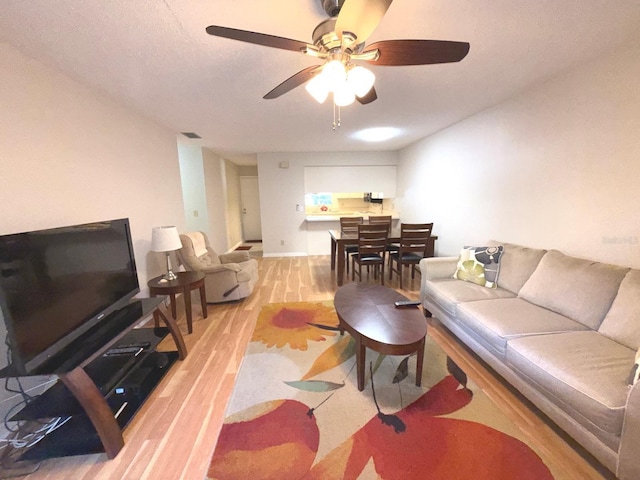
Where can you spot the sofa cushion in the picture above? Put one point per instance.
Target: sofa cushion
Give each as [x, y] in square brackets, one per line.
[449, 292]
[195, 253]
[479, 265]
[495, 322]
[585, 371]
[622, 322]
[580, 289]
[517, 264]
[198, 243]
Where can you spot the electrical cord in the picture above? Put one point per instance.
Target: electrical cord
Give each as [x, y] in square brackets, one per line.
[25, 434]
[29, 439]
[12, 467]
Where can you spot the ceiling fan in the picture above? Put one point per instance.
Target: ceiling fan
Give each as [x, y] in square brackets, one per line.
[339, 41]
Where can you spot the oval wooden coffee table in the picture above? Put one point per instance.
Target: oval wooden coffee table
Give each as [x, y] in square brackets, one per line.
[368, 313]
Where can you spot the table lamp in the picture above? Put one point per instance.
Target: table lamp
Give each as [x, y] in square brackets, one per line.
[166, 239]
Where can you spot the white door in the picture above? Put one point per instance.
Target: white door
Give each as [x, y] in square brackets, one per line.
[250, 198]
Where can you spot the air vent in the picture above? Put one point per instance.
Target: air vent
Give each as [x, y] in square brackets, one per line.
[191, 135]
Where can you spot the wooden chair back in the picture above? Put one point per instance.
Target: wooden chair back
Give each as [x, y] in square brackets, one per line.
[414, 245]
[372, 240]
[414, 240]
[349, 225]
[372, 243]
[380, 219]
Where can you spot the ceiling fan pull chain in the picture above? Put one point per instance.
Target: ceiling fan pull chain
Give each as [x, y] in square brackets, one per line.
[336, 123]
[334, 116]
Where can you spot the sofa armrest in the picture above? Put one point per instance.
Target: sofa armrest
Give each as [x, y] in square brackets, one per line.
[216, 269]
[628, 460]
[438, 267]
[435, 267]
[234, 257]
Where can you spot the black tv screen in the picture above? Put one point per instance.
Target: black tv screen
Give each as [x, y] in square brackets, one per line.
[57, 284]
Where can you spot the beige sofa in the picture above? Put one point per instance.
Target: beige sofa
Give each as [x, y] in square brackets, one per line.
[229, 276]
[562, 330]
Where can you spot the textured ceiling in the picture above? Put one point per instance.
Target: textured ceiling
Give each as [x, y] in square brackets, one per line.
[155, 57]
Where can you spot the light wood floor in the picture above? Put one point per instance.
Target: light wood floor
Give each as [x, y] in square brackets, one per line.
[174, 434]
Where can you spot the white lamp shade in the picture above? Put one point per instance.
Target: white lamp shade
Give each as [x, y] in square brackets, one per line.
[360, 80]
[343, 95]
[333, 74]
[317, 87]
[165, 239]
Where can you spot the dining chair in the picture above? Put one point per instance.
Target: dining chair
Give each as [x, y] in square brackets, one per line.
[386, 219]
[349, 225]
[380, 219]
[372, 242]
[414, 242]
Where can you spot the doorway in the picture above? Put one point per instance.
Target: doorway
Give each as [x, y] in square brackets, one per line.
[250, 204]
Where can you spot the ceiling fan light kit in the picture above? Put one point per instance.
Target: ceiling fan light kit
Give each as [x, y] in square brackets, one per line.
[346, 82]
[334, 74]
[338, 42]
[360, 80]
[317, 88]
[343, 96]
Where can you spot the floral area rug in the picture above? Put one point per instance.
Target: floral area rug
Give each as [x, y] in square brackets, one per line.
[296, 412]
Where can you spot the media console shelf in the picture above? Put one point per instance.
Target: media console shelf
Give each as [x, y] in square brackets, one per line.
[102, 392]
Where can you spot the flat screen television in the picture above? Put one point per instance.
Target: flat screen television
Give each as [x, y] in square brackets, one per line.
[59, 283]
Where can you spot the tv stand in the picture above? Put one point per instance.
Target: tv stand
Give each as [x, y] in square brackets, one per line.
[103, 392]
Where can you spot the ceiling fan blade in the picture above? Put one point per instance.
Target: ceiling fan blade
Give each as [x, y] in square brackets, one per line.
[294, 81]
[361, 17]
[257, 38]
[417, 52]
[369, 97]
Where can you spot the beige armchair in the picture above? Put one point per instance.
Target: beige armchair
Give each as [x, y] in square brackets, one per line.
[229, 276]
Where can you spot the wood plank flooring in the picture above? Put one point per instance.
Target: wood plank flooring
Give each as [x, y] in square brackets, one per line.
[174, 434]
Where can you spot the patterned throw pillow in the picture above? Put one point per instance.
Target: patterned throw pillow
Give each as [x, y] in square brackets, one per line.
[634, 375]
[479, 265]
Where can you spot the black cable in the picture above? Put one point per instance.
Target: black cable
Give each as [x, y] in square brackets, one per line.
[25, 434]
[12, 467]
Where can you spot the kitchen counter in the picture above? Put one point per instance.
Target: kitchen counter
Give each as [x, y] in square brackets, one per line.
[335, 216]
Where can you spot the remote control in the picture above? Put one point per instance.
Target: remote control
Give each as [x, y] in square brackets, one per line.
[136, 345]
[407, 303]
[123, 351]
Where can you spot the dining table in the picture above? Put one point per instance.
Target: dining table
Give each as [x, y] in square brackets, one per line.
[340, 239]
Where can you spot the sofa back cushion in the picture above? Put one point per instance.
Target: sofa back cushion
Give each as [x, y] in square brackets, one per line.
[580, 289]
[198, 243]
[196, 253]
[516, 265]
[622, 322]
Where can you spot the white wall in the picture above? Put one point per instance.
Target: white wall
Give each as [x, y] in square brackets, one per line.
[281, 189]
[211, 186]
[215, 181]
[233, 208]
[556, 167]
[370, 178]
[194, 193]
[248, 170]
[71, 155]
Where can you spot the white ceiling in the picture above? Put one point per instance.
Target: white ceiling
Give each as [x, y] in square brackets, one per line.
[155, 57]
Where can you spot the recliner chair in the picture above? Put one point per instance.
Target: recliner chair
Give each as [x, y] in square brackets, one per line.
[229, 276]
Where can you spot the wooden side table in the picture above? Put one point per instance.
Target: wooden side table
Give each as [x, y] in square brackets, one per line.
[185, 283]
